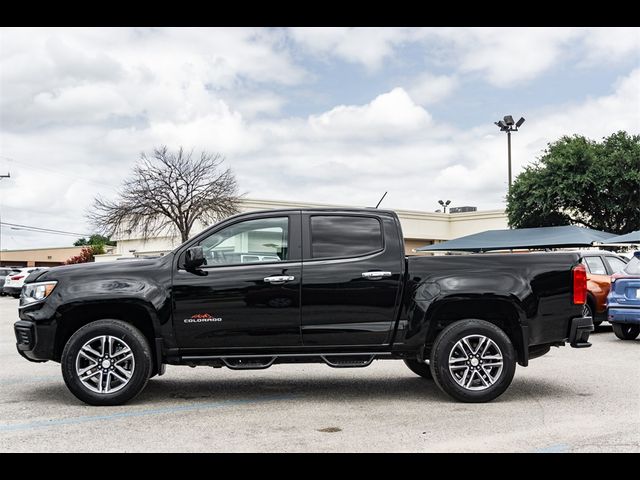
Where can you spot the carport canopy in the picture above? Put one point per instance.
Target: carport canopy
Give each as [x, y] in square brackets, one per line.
[633, 237]
[521, 238]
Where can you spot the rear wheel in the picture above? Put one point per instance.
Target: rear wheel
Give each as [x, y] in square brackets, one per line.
[107, 362]
[419, 368]
[473, 361]
[625, 331]
[587, 311]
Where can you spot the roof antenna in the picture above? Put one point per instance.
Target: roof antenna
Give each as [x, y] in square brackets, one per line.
[385, 194]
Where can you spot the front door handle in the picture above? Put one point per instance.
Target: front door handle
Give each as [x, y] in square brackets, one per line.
[279, 279]
[375, 275]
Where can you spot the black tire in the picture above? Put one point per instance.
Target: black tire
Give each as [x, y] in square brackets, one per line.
[125, 332]
[444, 346]
[419, 368]
[625, 331]
[588, 311]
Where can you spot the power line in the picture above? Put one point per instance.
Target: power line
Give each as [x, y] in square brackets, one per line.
[37, 231]
[43, 230]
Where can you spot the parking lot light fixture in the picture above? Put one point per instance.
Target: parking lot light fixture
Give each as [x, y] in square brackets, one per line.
[508, 125]
[444, 204]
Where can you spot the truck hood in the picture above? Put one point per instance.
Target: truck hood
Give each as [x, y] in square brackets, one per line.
[118, 267]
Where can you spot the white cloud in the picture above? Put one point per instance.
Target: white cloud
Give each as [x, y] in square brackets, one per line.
[606, 45]
[503, 56]
[428, 89]
[388, 114]
[369, 46]
[157, 74]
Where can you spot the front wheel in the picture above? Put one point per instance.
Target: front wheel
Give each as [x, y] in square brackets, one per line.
[473, 361]
[107, 362]
[625, 331]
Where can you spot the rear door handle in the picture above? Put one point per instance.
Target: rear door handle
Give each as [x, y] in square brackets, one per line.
[279, 279]
[375, 275]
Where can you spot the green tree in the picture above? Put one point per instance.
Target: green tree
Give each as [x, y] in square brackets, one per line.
[95, 239]
[581, 181]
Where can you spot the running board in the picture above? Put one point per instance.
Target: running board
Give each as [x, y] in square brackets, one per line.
[255, 363]
[259, 362]
[348, 361]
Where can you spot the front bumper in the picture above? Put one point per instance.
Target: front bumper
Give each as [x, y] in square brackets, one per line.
[11, 290]
[581, 328]
[624, 315]
[35, 341]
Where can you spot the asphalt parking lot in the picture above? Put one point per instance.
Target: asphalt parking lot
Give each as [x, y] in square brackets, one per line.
[567, 401]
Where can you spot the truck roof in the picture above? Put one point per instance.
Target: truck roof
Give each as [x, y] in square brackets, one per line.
[320, 209]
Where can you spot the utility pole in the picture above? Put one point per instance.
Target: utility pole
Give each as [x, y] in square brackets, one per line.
[8, 175]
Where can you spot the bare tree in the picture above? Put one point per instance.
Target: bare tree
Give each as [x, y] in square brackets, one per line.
[168, 193]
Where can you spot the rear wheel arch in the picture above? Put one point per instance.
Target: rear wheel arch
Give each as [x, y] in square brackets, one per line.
[503, 313]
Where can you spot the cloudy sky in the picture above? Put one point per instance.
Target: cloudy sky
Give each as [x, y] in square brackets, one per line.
[335, 115]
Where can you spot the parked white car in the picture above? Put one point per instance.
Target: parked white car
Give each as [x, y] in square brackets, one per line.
[4, 272]
[14, 281]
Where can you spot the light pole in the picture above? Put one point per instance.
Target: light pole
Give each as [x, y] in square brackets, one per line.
[444, 204]
[508, 125]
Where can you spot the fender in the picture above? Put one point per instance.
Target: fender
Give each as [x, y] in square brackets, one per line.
[437, 300]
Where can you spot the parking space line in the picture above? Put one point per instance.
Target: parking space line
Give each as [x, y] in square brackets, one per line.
[139, 413]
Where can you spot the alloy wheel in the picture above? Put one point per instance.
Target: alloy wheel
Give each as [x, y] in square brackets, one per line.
[105, 364]
[475, 362]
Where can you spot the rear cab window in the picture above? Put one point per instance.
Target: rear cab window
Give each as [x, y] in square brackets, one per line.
[339, 236]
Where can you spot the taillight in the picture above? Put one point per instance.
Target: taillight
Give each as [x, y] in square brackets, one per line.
[17, 277]
[579, 284]
[616, 276]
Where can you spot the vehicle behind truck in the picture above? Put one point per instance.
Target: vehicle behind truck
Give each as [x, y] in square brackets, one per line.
[299, 286]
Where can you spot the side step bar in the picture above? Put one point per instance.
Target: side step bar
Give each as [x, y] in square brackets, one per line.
[248, 363]
[348, 361]
[259, 362]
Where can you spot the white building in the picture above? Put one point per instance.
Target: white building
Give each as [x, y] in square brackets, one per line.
[419, 228]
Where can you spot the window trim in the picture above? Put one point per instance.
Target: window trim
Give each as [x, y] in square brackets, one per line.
[309, 237]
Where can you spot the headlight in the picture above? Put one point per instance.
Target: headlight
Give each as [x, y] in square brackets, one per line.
[35, 292]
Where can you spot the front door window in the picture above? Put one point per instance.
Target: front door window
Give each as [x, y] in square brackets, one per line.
[261, 240]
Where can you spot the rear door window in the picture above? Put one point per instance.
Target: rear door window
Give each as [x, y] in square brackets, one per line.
[595, 265]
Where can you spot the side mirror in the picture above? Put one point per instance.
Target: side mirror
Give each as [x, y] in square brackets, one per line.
[194, 257]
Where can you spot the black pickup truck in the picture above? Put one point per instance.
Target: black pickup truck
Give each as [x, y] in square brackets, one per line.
[292, 286]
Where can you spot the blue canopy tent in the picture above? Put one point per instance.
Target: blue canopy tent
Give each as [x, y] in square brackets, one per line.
[521, 238]
[633, 237]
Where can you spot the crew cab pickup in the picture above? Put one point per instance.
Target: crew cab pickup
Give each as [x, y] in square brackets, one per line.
[292, 286]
